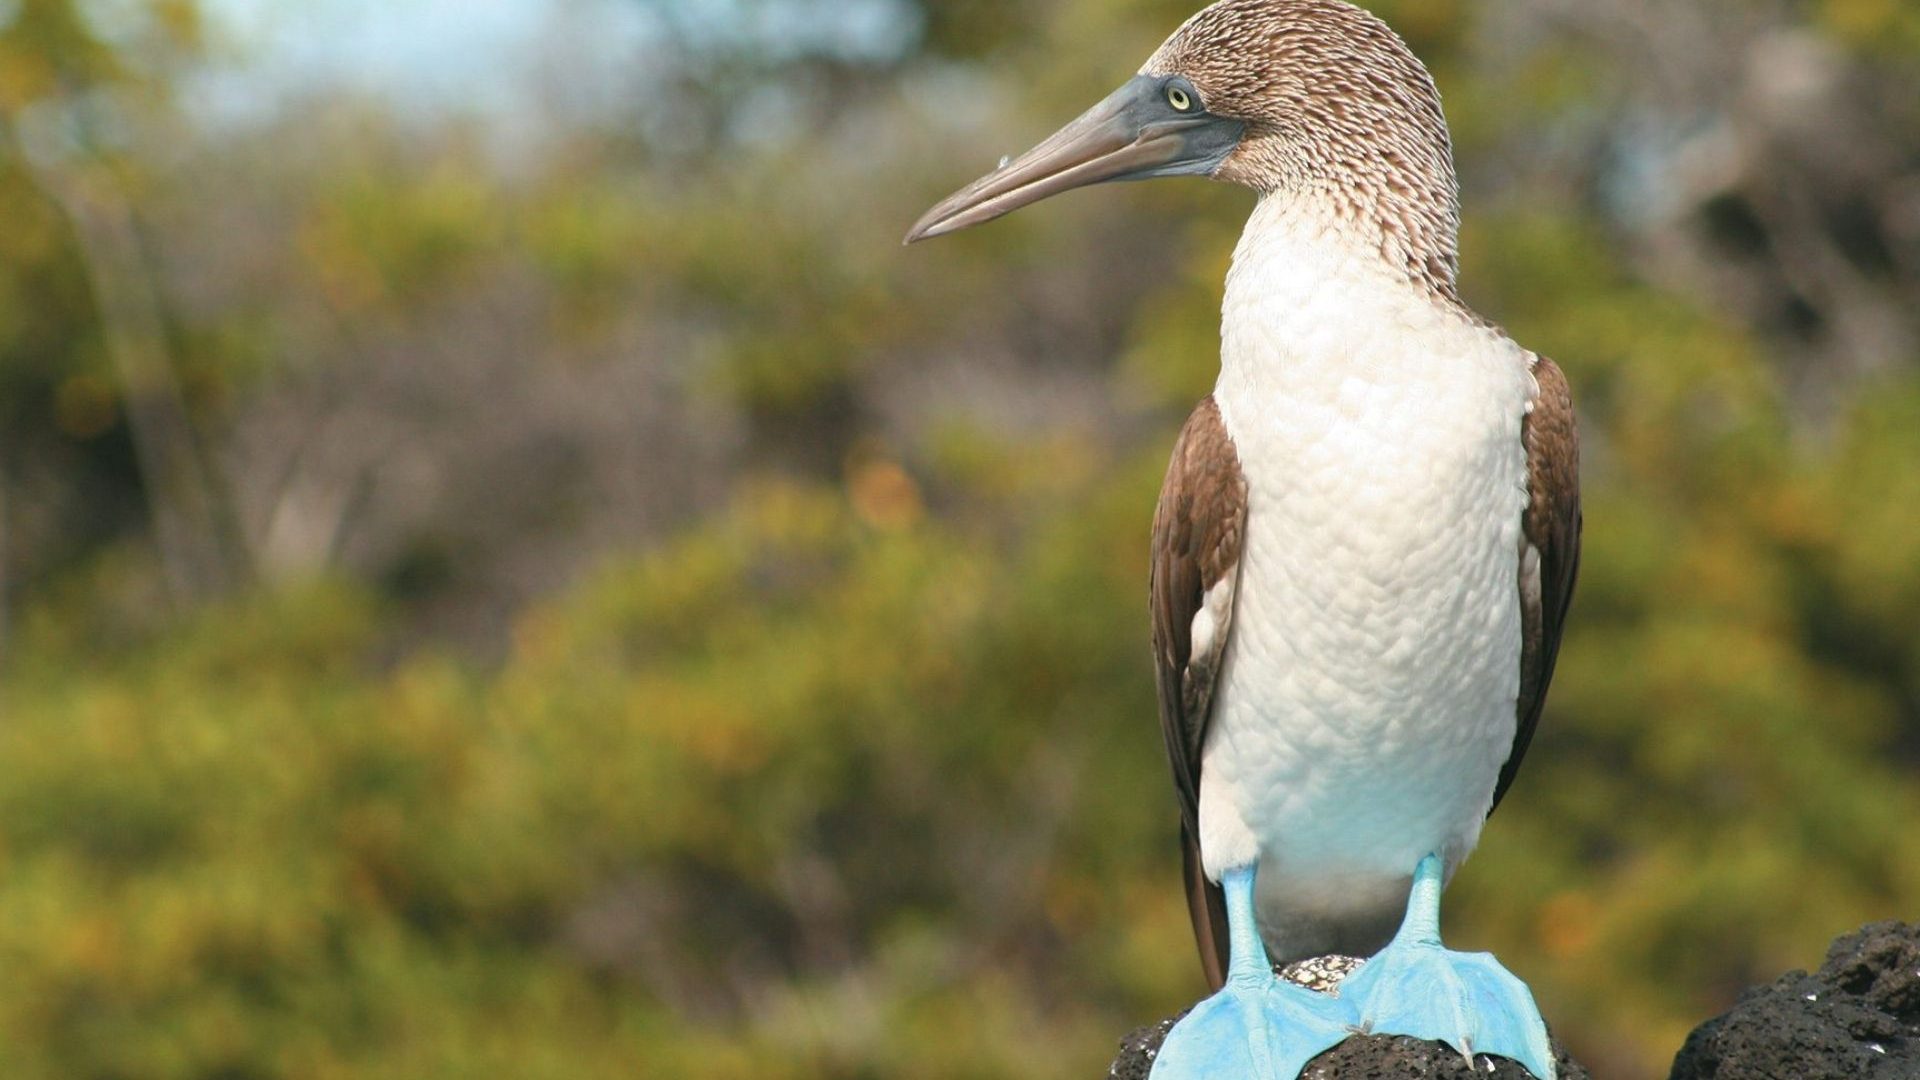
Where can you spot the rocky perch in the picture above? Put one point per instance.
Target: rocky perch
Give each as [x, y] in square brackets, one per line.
[1857, 1018]
[1363, 1057]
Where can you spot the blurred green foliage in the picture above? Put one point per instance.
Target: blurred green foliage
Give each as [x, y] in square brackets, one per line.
[851, 769]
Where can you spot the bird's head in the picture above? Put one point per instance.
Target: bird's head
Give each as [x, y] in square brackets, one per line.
[1302, 98]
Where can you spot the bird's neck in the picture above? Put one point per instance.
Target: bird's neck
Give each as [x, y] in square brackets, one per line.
[1313, 288]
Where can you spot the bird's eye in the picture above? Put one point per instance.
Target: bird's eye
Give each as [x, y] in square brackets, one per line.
[1179, 98]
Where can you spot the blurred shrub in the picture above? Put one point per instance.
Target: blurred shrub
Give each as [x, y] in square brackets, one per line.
[822, 772]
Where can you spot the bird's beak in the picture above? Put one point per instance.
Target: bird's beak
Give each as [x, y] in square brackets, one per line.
[1132, 135]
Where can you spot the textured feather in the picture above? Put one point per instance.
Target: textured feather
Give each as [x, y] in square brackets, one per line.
[1198, 529]
[1552, 529]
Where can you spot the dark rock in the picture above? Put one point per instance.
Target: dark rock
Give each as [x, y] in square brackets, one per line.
[1363, 1057]
[1398, 1057]
[1857, 1018]
[1139, 1048]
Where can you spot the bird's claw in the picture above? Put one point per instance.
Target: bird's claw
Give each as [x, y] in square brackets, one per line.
[1258, 1026]
[1417, 987]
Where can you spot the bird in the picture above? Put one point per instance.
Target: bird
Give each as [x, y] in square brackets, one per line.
[1367, 541]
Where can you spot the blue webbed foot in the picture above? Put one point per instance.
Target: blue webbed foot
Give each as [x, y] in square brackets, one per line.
[1257, 1027]
[1415, 986]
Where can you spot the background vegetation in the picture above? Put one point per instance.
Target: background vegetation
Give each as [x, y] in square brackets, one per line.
[509, 569]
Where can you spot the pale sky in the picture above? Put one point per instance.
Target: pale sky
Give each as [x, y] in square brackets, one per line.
[430, 54]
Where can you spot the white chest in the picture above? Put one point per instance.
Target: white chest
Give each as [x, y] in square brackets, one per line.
[1367, 699]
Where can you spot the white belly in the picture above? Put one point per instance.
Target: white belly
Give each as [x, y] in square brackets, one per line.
[1367, 699]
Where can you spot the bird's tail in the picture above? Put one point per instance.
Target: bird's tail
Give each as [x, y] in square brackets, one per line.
[1207, 906]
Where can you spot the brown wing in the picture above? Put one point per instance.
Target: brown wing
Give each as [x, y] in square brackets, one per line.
[1551, 559]
[1197, 533]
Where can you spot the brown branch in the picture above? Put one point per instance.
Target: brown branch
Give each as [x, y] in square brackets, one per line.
[199, 546]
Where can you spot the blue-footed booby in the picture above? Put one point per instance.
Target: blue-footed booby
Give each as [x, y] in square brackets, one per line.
[1365, 546]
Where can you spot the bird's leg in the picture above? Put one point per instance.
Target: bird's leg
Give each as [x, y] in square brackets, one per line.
[1415, 986]
[1257, 1027]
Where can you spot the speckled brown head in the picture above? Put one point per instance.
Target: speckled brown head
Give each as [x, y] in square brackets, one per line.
[1308, 99]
